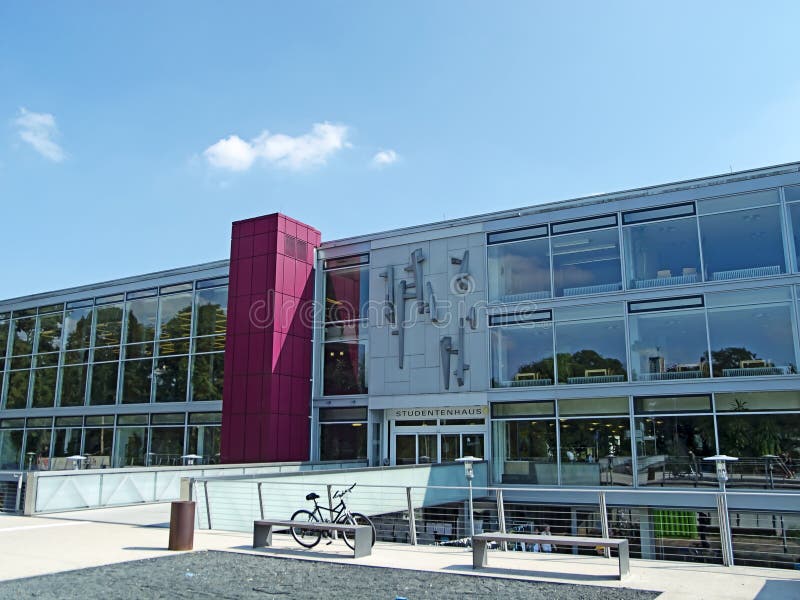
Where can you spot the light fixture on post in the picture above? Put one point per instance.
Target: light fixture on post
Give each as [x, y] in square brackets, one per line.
[189, 459]
[469, 473]
[722, 507]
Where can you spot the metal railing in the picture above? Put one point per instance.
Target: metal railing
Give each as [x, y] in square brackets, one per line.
[693, 526]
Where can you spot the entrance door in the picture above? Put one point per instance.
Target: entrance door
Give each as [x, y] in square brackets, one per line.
[411, 447]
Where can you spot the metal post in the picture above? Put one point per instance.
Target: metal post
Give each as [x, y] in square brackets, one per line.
[604, 521]
[208, 506]
[19, 491]
[260, 501]
[334, 535]
[471, 512]
[501, 516]
[412, 526]
[725, 538]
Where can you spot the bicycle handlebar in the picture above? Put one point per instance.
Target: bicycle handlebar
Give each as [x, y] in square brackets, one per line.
[341, 493]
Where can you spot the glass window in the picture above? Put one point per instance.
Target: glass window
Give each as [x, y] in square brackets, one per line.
[343, 441]
[524, 452]
[130, 446]
[757, 401]
[658, 214]
[166, 446]
[208, 283]
[670, 450]
[207, 376]
[662, 253]
[205, 418]
[24, 330]
[586, 263]
[596, 452]
[172, 376]
[204, 440]
[44, 388]
[67, 442]
[141, 316]
[344, 365]
[4, 325]
[593, 406]
[17, 393]
[10, 449]
[50, 333]
[672, 404]
[517, 234]
[97, 445]
[108, 330]
[346, 294]
[47, 360]
[37, 449]
[743, 243]
[343, 414]
[107, 354]
[738, 201]
[211, 311]
[136, 378]
[520, 271]
[591, 351]
[523, 409]
[78, 327]
[73, 385]
[522, 356]
[169, 347]
[768, 448]
[583, 224]
[668, 345]
[175, 316]
[104, 384]
[751, 340]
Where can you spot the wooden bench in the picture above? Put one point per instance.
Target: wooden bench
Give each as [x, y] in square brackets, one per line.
[362, 534]
[480, 542]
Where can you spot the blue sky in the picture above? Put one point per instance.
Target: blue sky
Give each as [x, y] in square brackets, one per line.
[132, 134]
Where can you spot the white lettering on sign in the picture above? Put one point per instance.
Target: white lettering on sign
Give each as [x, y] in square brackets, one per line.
[440, 413]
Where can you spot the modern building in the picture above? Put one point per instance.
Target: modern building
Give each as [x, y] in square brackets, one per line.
[613, 340]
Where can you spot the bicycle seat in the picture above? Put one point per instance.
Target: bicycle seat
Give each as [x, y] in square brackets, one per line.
[312, 496]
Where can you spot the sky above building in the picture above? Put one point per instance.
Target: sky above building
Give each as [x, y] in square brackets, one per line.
[132, 134]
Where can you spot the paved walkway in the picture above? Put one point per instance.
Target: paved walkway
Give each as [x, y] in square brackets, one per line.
[66, 541]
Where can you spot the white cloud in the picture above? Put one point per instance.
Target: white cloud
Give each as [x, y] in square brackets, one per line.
[384, 158]
[38, 130]
[280, 150]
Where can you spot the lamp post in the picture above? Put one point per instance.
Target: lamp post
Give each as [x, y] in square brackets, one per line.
[722, 507]
[469, 473]
[189, 459]
[77, 461]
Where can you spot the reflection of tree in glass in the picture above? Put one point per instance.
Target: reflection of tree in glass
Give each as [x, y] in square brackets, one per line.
[729, 358]
[343, 375]
[133, 449]
[207, 377]
[576, 364]
[79, 330]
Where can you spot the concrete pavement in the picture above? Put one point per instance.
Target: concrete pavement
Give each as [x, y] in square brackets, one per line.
[65, 541]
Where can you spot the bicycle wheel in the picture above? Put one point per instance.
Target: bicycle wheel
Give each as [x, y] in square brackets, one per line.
[355, 519]
[305, 537]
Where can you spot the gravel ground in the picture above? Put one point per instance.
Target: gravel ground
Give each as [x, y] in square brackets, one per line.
[229, 575]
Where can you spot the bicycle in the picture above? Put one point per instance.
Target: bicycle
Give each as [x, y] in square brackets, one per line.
[340, 514]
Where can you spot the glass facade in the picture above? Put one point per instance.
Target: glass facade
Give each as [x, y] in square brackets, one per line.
[343, 434]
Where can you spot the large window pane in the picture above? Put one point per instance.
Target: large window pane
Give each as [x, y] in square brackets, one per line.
[4, 325]
[10, 449]
[591, 351]
[97, 445]
[525, 452]
[24, 330]
[346, 294]
[344, 368]
[44, 388]
[17, 394]
[670, 450]
[519, 271]
[136, 378]
[207, 376]
[586, 263]
[141, 316]
[794, 216]
[175, 316]
[343, 441]
[37, 449]
[669, 345]
[522, 356]
[757, 401]
[204, 440]
[768, 448]
[73, 385]
[211, 311]
[78, 327]
[130, 446]
[67, 442]
[166, 446]
[662, 253]
[596, 452]
[108, 331]
[104, 384]
[172, 376]
[50, 333]
[752, 340]
[745, 243]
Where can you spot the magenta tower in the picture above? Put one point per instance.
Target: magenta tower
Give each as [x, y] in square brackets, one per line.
[267, 391]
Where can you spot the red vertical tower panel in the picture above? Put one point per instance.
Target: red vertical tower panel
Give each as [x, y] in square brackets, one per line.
[267, 396]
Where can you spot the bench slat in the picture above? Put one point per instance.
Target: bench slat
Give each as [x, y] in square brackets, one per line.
[550, 539]
[311, 525]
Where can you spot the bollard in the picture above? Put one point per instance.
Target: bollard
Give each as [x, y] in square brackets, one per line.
[181, 525]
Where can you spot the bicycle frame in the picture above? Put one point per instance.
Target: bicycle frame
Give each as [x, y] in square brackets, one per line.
[333, 513]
